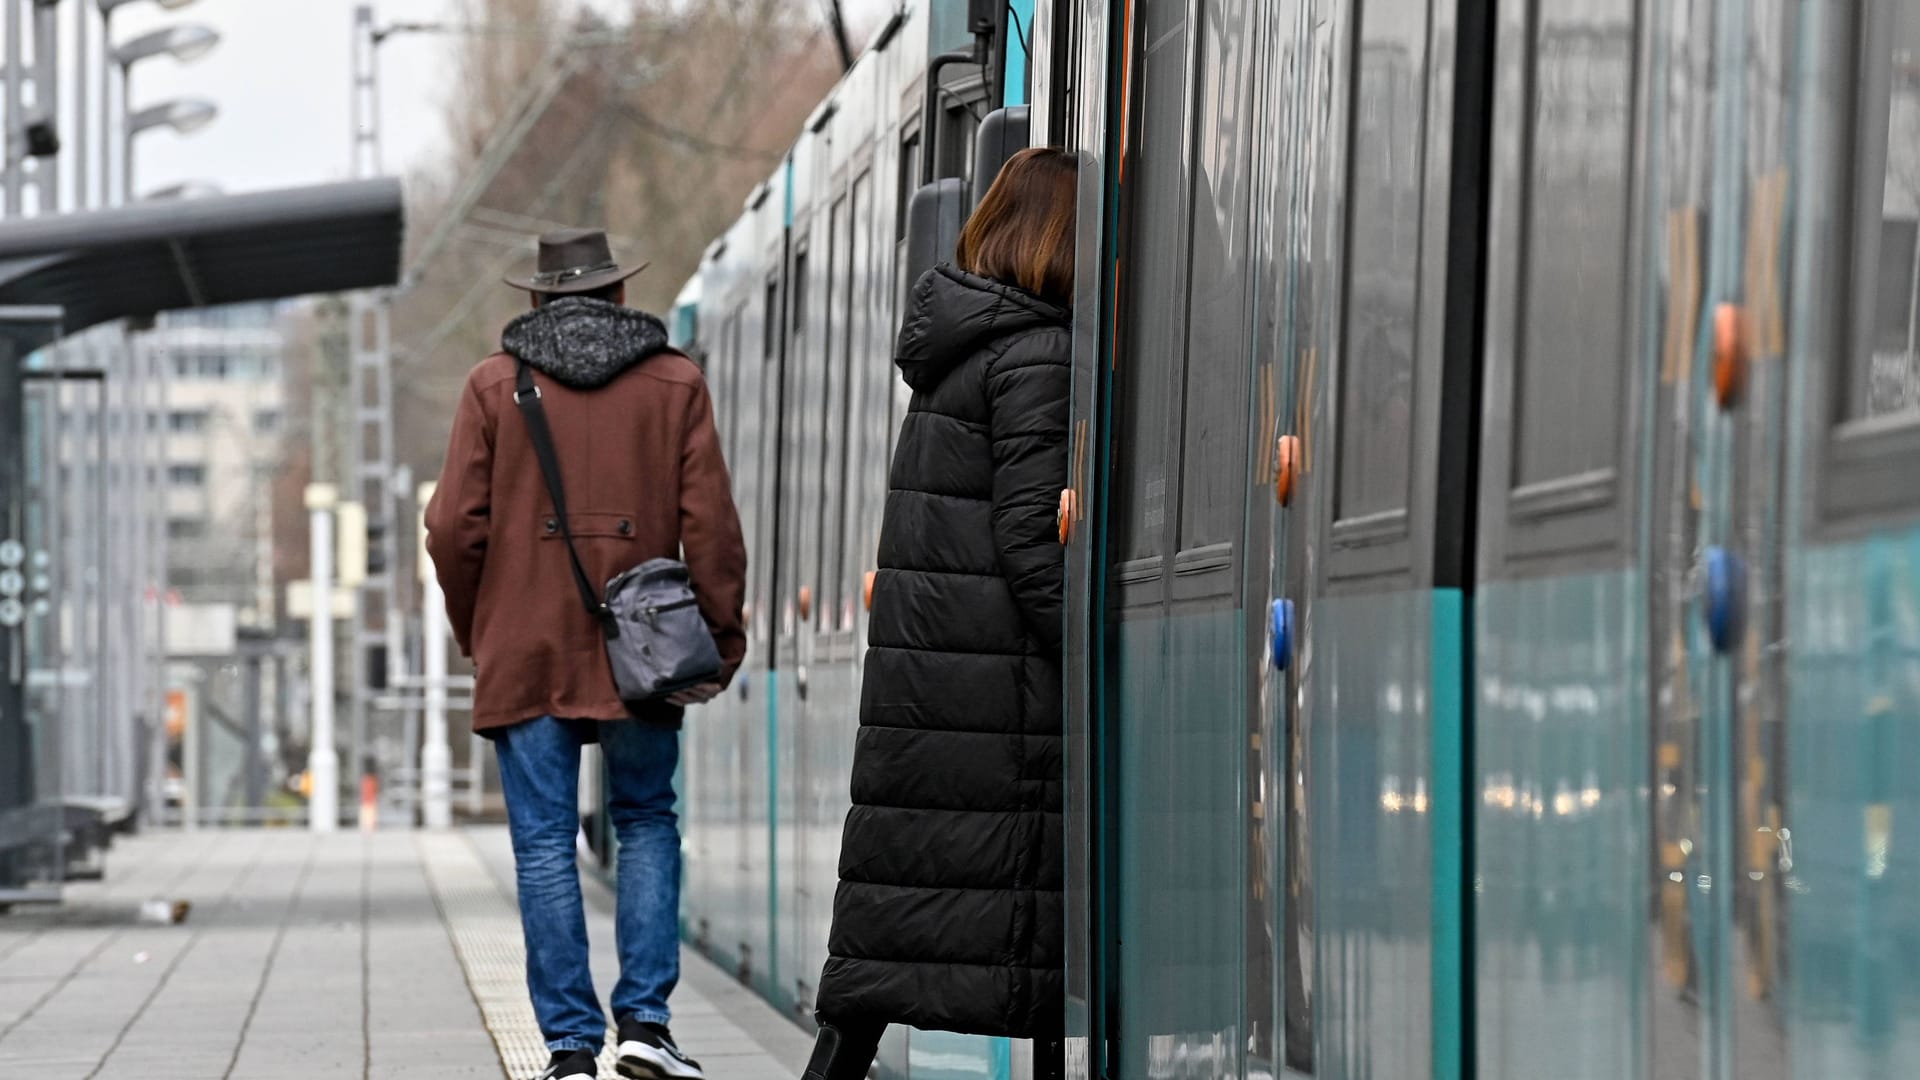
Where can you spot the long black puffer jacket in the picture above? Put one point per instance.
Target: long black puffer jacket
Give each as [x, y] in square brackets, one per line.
[949, 912]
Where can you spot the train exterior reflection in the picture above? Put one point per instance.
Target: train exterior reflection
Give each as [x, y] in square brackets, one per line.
[1494, 540]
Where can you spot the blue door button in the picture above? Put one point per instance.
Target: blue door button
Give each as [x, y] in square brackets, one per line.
[1726, 598]
[1282, 634]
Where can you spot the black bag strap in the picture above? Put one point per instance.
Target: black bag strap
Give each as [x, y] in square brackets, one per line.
[527, 396]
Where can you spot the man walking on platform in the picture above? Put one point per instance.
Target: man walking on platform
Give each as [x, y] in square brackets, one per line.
[586, 382]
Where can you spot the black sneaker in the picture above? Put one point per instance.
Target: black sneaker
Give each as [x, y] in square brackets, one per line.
[571, 1063]
[647, 1052]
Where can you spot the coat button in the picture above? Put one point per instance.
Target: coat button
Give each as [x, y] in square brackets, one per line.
[553, 525]
[626, 527]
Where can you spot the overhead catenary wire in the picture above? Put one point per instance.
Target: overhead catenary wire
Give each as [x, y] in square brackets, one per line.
[687, 138]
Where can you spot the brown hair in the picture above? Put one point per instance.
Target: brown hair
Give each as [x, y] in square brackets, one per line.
[1023, 231]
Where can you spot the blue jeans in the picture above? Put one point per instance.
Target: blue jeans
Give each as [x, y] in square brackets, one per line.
[540, 774]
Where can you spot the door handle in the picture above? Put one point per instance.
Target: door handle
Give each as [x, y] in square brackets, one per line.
[1286, 474]
[1726, 598]
[1729, 353]
[1282, 627]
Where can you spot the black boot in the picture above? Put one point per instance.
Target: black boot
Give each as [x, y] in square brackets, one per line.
[843, 1052]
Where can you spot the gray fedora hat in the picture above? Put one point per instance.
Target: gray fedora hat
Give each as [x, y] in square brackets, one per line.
[574, 261]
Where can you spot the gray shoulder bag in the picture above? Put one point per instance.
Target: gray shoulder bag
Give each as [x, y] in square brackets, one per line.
[657, 642]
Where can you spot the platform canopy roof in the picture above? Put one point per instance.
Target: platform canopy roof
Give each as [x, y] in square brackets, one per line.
[165, 255]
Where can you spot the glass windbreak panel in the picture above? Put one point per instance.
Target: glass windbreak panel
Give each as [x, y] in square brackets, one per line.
[1153, 281]
[1383, 253]
[1571, 362]
[1884, 383]
[32, 661]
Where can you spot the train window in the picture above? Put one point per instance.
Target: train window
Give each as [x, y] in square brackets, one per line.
[1213, 441]
[909, 183]
[829, 392]
[799, 285]
[1154, 314]
[959, 121]
[799, 466]
[770, 323]
[736, 361]
[1873, 408]
[1571, 368]
[865, 371]
[1376, 379]
[1884, 375]
[833, 464]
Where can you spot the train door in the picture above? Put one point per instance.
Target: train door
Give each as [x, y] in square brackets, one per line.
[1371, 589]
[808, 402]
[1595, 191]
[32, 824]
[753, 885]
[802, 406]
[821, 730]
[1171, 729]
[1835, 920]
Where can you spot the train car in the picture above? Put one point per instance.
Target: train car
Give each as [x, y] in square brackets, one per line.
[1494, 573]
[1494, 630]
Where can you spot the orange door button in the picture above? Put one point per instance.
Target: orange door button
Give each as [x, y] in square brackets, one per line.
[806, 602]
[1069, 511]
[1286, 473]
[866, 590]
[1729, 353]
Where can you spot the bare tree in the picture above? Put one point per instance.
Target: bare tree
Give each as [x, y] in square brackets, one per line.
[655, 128]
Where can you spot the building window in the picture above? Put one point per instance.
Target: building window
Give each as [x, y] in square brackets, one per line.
[186, 528]
[187, 475]
[266, 422]
[187, 421]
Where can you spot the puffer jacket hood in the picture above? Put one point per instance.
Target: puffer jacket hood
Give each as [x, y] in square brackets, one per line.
[582, 342]
[952, 313]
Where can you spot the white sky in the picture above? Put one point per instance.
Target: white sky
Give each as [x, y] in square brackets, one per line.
[281, 76]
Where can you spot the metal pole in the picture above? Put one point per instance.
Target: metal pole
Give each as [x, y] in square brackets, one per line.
[46, 101]
[16, 77]
[107, 67]
[126, 134]
[256, 781]
[134, 474]
[323, 761]
[436, 756]
[80, 59]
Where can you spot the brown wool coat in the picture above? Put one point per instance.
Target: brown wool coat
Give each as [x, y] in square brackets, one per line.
[644, 479]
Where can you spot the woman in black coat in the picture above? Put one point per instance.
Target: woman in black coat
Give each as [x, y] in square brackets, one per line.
[949, 912]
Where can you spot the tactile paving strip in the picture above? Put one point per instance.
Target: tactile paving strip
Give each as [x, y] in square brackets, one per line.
[485, 928]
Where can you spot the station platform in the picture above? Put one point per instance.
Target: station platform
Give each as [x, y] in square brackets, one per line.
[370, 955]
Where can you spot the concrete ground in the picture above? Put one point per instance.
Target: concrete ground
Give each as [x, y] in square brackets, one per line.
[354, 955]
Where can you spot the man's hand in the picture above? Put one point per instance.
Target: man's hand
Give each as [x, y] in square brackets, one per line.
[696, 695]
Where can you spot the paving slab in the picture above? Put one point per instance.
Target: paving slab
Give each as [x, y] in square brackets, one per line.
[353, 955]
